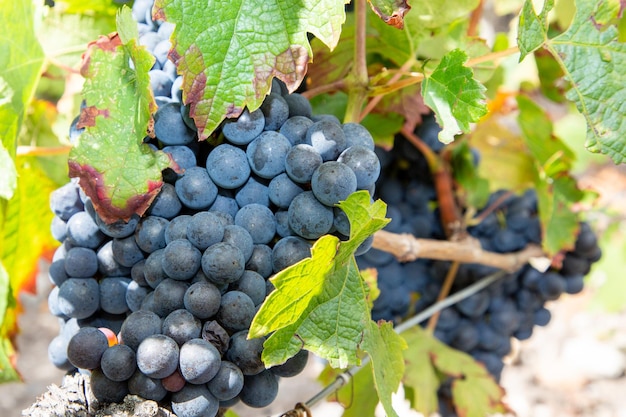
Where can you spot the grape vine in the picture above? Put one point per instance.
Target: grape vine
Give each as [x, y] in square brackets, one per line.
[256, 183]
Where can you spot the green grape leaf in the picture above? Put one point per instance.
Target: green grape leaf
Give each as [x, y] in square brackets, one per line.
[228, 55]
[391, 11]
[533, 28]
[21, 62]
[8, 181]
[454, 95]
[120, 173]
[97, 8]
[474, 391]
[556, 188]
[598, 94]
[359, 397]
[321, 295]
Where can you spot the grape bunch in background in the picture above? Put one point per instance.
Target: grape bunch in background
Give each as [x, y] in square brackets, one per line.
[160, 306]
[483, 324]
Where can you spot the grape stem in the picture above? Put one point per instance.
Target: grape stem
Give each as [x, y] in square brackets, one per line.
[344, 378]
[406, 248]
[477, 14]
[358, 81]
[445, 291]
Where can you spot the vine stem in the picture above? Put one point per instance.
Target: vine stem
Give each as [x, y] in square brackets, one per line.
[359, 80]
[326, 88]
[406, 248]
[477, 14]
[472, 62]
[345, 377]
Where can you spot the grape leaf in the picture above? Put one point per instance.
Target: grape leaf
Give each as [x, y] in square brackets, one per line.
[533, 28]
[321, 304]
[475, 188]
[358, 397]
[228, 55]
[120, 173]
[556, 188]
[474, 391]
[454, 95]
[391, 11]
[21, 61]
[598, 94]
[7, 353]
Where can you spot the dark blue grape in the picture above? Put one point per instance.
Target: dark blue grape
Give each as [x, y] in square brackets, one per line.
[169, 126]
[118, 363]
[79, 297]
[150, 233]
[194, 401]
[157, 356]
[266, 154]
[327, 138]
[239, 237]
[301, 162]
[195, 189]
[81, 263]
[308, 217]
[205, 229]
[126, 251]
[295, 129]
[57, 354]
[293, 366]
[253, 285]
[236, 311]
[181, 326]
[107, 390]
[246, 353]
[86, 347]
[168, 296]
[113, 294]
[245, 128]
[161, 85]
[202, 299]
[261, 260]
[146, 387]
[259, 221]
[288, 251]
[282, 190]
[65, 201]
[139, 325]
[227, 383]
[181, 260]
[356, 134]
[333, 182]
[199, 361]
[259, 390]
[135, 294]
[228, 166]
[166, 204]
[253, 191]
[276, 111]
[364, 163]
[83, 231]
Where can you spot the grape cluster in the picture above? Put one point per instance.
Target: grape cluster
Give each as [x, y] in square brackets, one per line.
[484, 323]
[160, 306]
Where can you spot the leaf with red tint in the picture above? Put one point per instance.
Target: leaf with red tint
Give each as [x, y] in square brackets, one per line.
[391, 11]
[120, 173]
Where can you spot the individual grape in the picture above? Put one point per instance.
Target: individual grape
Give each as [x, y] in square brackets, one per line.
[65, 201]
[259, 390]
[205, 229]
[295, 129]
[195, 189]
[168, 296]
[227, 383]
[106, 390]
[266, 154]
[253, 191]
[573, 265]
[282, 223]
[160, 53]
[298, 105]
[308, 217]
[148, 303]
[118, 363]
[113, 294]
[58, 229]
[150, 233]
[202, 299]
[81, 263]
[261, 260]
[341, 222]
[199, 361]
[194, 401]
[120, 228]
[276, 111]
[301, 162]
[174, 382]
[138, 326]
[57, 353]
[357, 135]
[282, 190]
[259, 221]
[126, 251]
[333, 182]
[506, 240]
[216, 335]
[327, 138]
[79, 297]
[166, 204]
[145, 387]
[288, 251]
[181, 260]
[86, 347]
[246, 353]
[574, 283]
[253, 285]
[428, 131]
[169, 126]
[83, 231]
[245, 128]
[157, 356]
[137, 273]
[225, 205]
[364, 163]
[475, 305]
[177, 228]
[184, 112]
[135, 295]
[542, 316]
[236, 311]
[551, 286]
[239, 237]
[181, 326]
[223, 263]
[465, 337]
[293, 366]
[107, 265]
[153, 268]
[228, 166]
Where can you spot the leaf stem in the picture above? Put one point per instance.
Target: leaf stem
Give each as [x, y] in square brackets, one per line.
[407, 248]
[445, 291]
[359, 78]
[42, 151]
[344, 378]
[472, 62]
